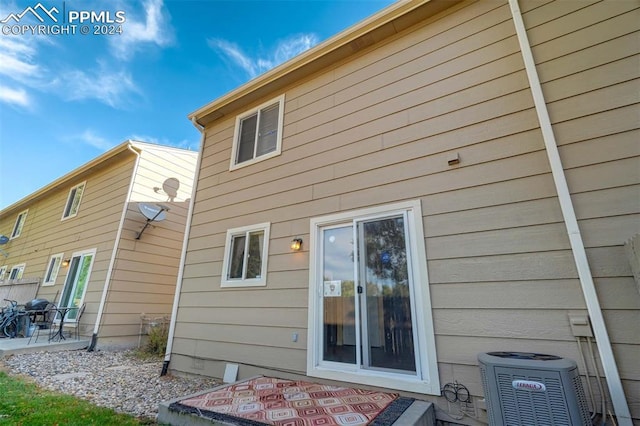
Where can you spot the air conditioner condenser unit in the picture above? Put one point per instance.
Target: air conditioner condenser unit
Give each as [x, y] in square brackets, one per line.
[529, 389]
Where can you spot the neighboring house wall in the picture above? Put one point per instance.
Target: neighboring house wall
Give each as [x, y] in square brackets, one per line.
[380, 128]
[145, 270]
[95, 226]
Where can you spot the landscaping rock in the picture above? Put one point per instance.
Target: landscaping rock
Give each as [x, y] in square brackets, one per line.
[110, 378]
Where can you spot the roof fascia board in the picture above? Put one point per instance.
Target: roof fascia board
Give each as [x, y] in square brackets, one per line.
[147, 146]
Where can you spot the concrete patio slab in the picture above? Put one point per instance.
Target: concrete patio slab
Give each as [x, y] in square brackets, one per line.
[21, 345]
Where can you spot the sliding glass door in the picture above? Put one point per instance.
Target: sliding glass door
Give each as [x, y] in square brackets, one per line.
[76, 283]
[367, 304]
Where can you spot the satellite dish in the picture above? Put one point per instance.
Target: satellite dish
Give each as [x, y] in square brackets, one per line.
[170, 186]
[153, 212]
[4, 239]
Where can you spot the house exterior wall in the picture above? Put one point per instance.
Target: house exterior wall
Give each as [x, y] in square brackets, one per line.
[95, 226]
[380, 128]
[587, 58]
[143, 276]
[145, 269]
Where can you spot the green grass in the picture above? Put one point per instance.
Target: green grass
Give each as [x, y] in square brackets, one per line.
[23, 403]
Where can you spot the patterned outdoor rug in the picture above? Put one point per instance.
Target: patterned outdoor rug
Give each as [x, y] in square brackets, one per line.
[266, 400]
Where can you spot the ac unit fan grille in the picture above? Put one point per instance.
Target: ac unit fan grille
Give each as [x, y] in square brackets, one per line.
[584, 411]
[524, 390]
[483, 374]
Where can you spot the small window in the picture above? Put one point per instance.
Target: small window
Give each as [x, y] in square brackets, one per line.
[3, 272]
[16, 272]
[73, 201]
[17, 228]
[258, 134]
[52, 269]
[245, 256]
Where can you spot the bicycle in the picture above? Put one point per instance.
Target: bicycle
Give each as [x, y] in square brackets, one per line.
[10, 319]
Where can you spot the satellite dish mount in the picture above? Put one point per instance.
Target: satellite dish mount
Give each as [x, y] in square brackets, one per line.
[153, 212]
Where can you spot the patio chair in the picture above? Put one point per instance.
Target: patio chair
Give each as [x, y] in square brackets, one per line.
[78, 317]
[43, 320]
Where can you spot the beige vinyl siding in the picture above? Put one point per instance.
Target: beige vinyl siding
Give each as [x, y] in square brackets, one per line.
[145, 270]
[590, 79]
[374, 130]
[380, 127]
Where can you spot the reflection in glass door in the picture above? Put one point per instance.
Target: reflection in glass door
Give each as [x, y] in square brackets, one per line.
[366, 295]
[386, 300]
[339, 309]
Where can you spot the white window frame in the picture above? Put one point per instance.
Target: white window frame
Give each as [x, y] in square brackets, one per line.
[226, 265]
[20, 271]
[17, 227]
[3, 271]
[236, 134]
[53, 268]
[426, 379]
[70, 200]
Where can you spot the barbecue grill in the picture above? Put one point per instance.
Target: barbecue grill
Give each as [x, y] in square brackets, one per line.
[36, 305]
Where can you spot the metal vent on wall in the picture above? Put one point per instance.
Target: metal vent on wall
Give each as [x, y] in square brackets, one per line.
[526, 389]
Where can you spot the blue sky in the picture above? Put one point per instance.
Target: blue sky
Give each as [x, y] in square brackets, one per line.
[67, 98]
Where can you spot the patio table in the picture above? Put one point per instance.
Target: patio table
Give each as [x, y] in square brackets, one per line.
[59, 333]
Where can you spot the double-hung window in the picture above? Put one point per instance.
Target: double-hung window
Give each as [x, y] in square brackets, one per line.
[73, 201]
[17, 228]
[52, 269]
[17, 271]
[3, 272]
[245, 256]
[258, 134]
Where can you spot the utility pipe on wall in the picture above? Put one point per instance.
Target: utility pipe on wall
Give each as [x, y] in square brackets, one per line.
[183, 255]
[107, 281]
[575, 238]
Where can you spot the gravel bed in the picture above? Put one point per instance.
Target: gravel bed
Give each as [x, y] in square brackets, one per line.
[108, 378]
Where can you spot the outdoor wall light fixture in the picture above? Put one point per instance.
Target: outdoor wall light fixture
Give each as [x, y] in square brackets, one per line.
[296, 244]
[66, 262]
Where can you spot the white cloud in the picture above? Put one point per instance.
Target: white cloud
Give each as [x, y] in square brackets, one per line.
[90, 138]
[284, 50]
[293, 46]
[17, 45]
[16, 68]
[137, 35]
[14, 96]
[111, 88]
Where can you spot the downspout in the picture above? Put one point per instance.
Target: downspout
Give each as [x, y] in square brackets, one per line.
[107, 281]
[575, 238]
[183, 256]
